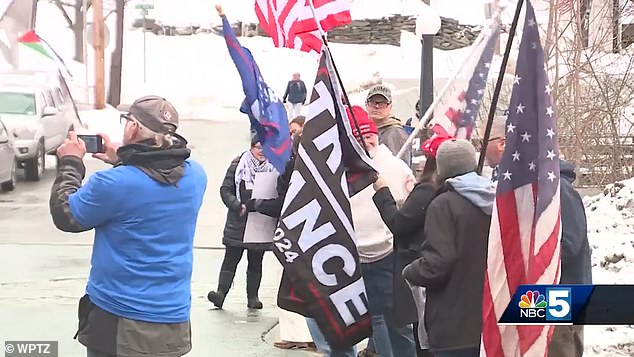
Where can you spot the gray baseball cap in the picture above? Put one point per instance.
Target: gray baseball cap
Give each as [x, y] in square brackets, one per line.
[156, 113]
[381, 90]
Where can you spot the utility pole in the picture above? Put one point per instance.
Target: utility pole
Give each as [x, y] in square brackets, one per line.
[114, 94]
[84, 9]
[98, 36]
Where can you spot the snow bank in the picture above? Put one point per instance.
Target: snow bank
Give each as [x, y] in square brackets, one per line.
[610, 226]
[613, 210]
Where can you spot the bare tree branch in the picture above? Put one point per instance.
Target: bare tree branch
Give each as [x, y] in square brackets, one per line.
[60, 6]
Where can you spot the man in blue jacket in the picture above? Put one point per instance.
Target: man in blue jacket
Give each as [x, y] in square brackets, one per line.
[144, 212]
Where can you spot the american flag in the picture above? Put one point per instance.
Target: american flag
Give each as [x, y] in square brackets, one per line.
[565, 6]
[456, 113]
[524, 239]
[291, 23]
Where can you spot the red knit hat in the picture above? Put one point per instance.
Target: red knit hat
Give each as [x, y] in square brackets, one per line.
[431, 145]
[366, 125]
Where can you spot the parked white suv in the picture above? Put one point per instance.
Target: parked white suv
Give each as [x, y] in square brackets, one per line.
[39, 112]
[7, 160]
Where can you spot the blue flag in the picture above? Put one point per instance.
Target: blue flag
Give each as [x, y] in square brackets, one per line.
[265, 110]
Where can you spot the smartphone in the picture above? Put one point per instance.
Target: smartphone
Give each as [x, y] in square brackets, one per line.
[94, 143]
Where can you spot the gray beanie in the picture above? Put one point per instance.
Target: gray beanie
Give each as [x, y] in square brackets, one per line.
[455, 157]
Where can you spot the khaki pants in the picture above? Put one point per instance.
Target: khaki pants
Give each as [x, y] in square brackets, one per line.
[567, 341]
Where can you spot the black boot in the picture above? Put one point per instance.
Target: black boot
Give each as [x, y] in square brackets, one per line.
[253, 285]
[224, 284]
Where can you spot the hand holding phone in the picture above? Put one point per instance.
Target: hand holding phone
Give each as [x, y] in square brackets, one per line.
[110, 148]
[94, 143]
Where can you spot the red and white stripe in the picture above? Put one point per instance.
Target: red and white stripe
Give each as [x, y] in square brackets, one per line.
[520, 252]
[291, 23]
[565, 6]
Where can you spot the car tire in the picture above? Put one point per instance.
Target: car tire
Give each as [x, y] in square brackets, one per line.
[10, 185]
[34, 168]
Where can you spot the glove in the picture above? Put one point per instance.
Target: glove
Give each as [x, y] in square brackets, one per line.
[251, 205]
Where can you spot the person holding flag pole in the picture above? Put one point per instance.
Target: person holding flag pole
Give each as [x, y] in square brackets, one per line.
[524, 246]
[479, 45]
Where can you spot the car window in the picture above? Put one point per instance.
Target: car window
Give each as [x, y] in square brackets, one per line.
[49, 99]
[42, 100]
[17, 103]
[59, 97]
[3, 132]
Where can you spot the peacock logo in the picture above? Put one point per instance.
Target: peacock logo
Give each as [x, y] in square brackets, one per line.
[533, 300]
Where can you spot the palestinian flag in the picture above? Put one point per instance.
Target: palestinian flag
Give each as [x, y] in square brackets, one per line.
[32, 40]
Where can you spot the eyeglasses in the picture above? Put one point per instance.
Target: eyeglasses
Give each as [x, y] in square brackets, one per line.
[378, 104]
[258, 147]
[124, 118]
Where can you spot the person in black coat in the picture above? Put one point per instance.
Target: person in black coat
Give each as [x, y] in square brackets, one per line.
[453, 257]
[576, 267]
[407, 224]
[295, 93]
[236, 195]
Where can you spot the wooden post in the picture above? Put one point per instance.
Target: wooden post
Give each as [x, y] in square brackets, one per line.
[98, 37]
[114, 94]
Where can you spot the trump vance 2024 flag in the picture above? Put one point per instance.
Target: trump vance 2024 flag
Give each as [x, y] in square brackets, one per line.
[315, 239]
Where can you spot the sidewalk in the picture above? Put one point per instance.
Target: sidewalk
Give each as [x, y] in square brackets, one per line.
[39, 302]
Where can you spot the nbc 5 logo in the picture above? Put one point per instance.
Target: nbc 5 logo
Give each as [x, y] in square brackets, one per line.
[559, 304]
[554, 305]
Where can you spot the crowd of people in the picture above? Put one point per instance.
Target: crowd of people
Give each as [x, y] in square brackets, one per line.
[426, 230]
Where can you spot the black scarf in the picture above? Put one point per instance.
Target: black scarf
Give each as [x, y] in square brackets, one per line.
[165, 165]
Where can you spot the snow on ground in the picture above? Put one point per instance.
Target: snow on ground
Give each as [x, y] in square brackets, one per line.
[105, 121]
[610, 231]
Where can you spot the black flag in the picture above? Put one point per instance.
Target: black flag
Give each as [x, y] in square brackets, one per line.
[315, 239]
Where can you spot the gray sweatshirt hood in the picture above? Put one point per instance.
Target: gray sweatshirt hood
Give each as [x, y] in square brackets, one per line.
[475, 188]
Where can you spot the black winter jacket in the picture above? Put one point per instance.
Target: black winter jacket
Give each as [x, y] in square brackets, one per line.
[295, 92]
[406, 224]
[576, 267]
[452, 268]
[233, 234]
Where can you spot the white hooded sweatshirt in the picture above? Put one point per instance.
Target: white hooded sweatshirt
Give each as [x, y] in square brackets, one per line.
[374, 239]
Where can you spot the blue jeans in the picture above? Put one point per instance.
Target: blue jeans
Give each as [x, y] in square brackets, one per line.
[321, 343]
[388, 339]
[472, 352]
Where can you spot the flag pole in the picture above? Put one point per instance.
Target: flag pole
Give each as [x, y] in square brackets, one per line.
[498, 86]
[343, 89]
[59, 58]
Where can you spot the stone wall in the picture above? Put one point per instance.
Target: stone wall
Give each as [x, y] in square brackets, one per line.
[387, 31]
